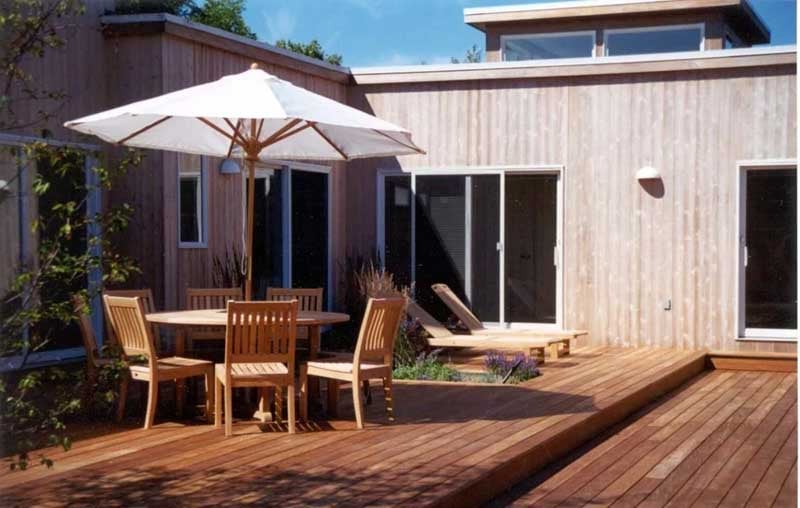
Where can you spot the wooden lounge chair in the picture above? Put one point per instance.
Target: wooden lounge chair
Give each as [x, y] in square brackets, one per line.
[259, 352]
[475, 326]
[135, 336]
[372, 358]
[440, 336]
[208, 298]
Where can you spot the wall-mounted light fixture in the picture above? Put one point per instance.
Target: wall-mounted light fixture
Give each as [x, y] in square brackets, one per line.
[648, 173]
[229, 167]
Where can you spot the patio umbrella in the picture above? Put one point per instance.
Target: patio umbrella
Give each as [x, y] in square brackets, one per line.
[253, 115]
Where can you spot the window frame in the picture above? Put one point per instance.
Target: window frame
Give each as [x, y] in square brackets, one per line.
[560, 170]
[655, 28]
[547, 35]
[202, 205]
[744, 334]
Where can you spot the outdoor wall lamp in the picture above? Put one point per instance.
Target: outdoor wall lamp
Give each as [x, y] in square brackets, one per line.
[229, 167]
[648, 173]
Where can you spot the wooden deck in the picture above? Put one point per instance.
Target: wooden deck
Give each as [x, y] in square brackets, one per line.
[727, 438]
[451, 444]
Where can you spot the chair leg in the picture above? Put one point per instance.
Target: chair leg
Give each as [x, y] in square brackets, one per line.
[387, 395]
[278, 404]
[333, 398]
[304, 393]
[263, 403]
[291, 407]
[358, 408]
[228, 411]
[554, 351]
[152, 401]
[217, 403]
[123, 397]
[367, 391]
[210, 394]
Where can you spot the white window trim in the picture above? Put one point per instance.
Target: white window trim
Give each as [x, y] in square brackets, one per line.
[202, 205]
[743, 333]
[547, 35]
[659, 28]
[556, 169]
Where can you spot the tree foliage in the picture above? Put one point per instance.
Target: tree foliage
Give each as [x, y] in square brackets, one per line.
[473, 55]
[312, 49]
[226, 15]
[37, 309]
[28, 28]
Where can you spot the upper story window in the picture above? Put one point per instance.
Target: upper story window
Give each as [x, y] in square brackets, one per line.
[548, 46]
[656, 39]
[192, 200]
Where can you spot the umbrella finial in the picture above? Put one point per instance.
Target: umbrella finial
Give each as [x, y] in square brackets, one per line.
[254, 65]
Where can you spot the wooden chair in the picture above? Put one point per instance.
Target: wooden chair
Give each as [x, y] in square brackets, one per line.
[475, 326]
[309, 299]
[259, 352]
[441, 337]
[135, 336]
[213, 298]
[94, 362]
[148, 302]
[372, 358]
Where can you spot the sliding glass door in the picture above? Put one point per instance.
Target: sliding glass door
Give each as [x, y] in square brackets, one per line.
[291, 229]
[769, 264]
[491, 236]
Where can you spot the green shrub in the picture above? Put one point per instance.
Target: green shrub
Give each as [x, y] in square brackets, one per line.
[427, 367]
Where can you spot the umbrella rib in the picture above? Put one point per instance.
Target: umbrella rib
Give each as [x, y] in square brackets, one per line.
[278, 133]
[292, 133]
[218, 129]
[143, 129]
[235, 129]
[233, 141]
[328, 140]
[415, 148]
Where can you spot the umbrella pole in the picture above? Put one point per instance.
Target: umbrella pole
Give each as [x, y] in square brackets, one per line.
[251, 178]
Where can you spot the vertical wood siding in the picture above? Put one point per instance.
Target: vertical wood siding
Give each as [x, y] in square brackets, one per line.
[628, 248]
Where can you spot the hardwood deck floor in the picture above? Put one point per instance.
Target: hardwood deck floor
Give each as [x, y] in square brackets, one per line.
[727, 438]
[452, 444]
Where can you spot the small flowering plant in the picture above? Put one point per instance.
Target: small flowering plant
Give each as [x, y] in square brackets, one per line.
[518, 368]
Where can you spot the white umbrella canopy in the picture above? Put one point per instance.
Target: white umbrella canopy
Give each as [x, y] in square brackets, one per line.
[254, 115]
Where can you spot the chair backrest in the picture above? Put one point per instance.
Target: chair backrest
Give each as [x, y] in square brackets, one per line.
[457, 307]
[211, 298]
[133, 333]
[87, 331]
[309, 299]
[145, 294]
[379, 329]
[147, 301]
[261, 332]
[429, 323]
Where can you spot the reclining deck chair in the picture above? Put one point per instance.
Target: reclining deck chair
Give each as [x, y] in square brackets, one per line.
[442, 337]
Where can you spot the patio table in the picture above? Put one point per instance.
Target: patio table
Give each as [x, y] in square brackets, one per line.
[182, 319]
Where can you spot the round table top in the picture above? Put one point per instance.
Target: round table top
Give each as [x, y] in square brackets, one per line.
[219, 317]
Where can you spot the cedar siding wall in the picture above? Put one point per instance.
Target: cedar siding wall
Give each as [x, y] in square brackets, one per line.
[626, 251]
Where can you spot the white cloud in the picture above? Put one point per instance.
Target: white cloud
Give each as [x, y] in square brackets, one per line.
[280, 23]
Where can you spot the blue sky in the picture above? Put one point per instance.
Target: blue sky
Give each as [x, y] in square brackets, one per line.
[402, 32]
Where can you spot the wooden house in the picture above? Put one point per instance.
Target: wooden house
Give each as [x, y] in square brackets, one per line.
[626, 167]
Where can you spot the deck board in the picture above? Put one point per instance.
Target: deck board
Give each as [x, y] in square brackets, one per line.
[726, 438]
[449, 441]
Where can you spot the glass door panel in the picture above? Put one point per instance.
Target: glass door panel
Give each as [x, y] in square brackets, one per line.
[484, 287]
[267, 233]
[397, 231]
[309, 229]
[531, 236]
[440, 239]
[771, 239]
